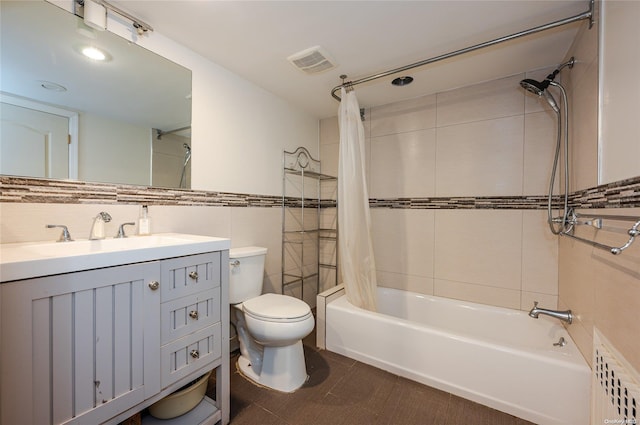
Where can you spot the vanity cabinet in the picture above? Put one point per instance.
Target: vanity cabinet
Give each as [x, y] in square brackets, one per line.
[190, 315]
[96, 346]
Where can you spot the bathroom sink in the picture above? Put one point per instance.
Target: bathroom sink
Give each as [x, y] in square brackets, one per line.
[33, 259]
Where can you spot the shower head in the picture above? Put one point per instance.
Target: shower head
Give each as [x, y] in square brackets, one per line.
[187, 147]
[535, 87]
[539, 88]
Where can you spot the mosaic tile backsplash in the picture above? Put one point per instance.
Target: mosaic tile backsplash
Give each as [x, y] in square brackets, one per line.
[621, 194]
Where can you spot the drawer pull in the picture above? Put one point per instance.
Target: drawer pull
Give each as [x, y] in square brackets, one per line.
[193, 314]
[195, 354]
[153, 285]
[193, 275]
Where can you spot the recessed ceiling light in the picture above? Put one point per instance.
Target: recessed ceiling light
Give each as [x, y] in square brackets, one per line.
[402, 81]
[93, 53]
[49, 85]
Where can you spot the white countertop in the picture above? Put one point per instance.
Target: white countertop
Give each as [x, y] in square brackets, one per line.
[34, 259]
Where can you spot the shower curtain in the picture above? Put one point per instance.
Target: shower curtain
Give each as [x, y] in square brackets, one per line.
[354, 243]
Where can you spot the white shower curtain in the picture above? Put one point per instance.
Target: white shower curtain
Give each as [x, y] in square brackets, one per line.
[354, 242]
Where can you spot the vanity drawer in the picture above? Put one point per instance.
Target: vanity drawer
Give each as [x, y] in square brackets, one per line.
[190, 353]
[188, 275]
[188, 314]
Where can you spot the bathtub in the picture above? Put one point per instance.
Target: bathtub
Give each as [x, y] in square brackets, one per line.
[498, 357]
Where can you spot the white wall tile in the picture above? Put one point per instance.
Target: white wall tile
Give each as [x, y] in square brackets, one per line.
[480, 159]
[409, 115]
[329, 131]
[539, 254]
[540, 136]
[329, 155]
[198, 220]
[403, 241]
[500, 297]
[403, 165]
[493, 99]
[405, 282]
[479, 246]
[259, 227]
[583, 130]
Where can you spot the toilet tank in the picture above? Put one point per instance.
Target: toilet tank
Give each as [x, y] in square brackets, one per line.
[246, 272]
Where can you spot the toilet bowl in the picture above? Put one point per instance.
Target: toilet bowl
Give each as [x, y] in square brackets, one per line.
[270, 327]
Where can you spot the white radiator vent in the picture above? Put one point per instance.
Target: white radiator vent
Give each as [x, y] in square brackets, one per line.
[616, 394]
[312, 60]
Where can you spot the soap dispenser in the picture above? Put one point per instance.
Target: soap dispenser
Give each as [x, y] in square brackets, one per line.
[144, 222]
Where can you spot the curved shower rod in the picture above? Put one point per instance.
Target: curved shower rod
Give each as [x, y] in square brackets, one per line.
[582, 16]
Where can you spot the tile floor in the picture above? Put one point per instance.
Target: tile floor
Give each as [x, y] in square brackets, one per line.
[344, 391]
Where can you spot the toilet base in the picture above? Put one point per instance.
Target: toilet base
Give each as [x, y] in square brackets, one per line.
[283, 368]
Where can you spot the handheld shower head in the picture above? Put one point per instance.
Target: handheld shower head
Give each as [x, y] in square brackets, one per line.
[551, 101]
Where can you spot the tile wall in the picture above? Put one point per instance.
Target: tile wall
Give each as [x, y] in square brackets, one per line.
[27, 205]
[603, 290]
[488, 140]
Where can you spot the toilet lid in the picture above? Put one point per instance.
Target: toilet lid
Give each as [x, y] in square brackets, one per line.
[275, 307]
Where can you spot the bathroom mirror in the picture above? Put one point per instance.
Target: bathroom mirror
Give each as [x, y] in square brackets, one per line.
[113, 108]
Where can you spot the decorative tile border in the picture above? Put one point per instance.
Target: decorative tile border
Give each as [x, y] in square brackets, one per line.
[18, 189]
[478, 202]
[621, 194]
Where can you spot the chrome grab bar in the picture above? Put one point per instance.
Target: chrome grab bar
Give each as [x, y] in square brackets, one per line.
[596, 221]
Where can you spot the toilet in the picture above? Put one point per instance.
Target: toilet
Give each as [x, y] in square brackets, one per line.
[270, 327]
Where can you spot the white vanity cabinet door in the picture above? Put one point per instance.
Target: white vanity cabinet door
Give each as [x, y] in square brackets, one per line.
[79, 348]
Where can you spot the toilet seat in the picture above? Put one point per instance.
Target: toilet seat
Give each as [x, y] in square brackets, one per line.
[276, 308]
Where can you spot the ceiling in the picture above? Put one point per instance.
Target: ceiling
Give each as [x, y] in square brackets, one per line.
[254, 38]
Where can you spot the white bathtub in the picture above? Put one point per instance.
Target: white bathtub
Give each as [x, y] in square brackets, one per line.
[498, 357]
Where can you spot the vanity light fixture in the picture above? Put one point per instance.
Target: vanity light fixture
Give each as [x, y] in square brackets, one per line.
[95, 15]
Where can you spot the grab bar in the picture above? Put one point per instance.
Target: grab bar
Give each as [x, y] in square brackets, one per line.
[596, 221]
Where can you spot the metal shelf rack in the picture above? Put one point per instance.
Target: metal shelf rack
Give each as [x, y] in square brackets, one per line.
[301, 231]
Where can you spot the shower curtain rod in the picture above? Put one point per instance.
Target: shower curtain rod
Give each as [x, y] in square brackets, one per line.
[585, 15]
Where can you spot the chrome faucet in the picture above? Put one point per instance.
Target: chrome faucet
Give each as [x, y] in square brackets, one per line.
[121, 233]
[565, 316]
[65, 236]
[97, 229]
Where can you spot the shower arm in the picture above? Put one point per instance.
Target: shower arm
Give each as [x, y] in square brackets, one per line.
[582, 16]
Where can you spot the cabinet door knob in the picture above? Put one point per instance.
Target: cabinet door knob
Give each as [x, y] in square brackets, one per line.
[193, 314]
[193, 275]
[195, 354]
[154, 285]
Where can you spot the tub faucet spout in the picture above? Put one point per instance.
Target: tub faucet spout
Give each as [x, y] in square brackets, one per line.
[565, 316]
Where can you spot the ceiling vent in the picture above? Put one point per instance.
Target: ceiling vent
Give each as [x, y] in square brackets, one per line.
[312, 60]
